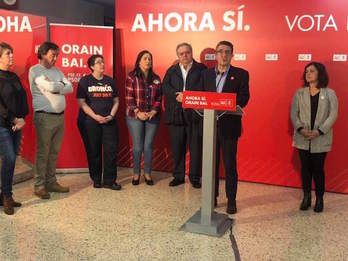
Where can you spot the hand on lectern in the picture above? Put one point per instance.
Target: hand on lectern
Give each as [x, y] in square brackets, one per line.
[179, 96]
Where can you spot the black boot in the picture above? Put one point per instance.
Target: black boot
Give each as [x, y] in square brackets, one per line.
[14, 203]
[231, 206]
[319, 204]
[8, 205]
[307, 200]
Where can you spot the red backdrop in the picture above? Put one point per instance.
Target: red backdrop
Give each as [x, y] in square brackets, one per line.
[271, 41]
[77, 43]
[24, 33]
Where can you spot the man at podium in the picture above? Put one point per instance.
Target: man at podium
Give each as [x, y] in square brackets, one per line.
[227, 78]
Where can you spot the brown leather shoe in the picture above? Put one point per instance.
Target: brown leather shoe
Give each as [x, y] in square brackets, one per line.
[14, 203]
[8, 206]
[42, 193]
[56, 187]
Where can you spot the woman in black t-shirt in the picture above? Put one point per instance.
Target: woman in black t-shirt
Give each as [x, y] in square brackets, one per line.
[97, 97]
[13, 109]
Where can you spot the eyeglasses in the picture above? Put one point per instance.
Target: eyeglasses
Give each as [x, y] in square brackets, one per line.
[183, 53]
[221, 51]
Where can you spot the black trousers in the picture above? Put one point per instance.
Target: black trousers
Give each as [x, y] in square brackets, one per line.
[229, 154]
[82, 130]
[195, 146]
[100, 140]
[181, 137]
[312, 166]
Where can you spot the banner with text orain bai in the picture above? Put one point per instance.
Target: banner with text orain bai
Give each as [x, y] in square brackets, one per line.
[77, 43]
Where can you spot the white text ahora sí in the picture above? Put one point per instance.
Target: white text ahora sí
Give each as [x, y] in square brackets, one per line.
[189, 22]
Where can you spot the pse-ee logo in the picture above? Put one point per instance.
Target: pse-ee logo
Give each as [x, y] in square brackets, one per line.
[233, 20]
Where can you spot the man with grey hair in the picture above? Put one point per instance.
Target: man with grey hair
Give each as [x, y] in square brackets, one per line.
[183, 124]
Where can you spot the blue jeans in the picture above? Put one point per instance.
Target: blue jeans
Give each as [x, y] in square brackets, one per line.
[9, 147]
[143, 134]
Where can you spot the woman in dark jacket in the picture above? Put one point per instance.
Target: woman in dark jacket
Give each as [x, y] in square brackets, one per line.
[13, 109]
[143, 102]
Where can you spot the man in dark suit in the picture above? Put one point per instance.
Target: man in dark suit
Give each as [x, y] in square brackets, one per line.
[227, 78]
[183, 124]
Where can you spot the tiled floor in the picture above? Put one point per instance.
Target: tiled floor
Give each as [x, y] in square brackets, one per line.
[142, 223]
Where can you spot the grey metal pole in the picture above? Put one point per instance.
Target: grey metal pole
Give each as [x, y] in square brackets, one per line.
[208, 166]
[206, 220]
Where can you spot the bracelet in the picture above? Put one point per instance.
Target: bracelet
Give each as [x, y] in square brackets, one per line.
[112, 116]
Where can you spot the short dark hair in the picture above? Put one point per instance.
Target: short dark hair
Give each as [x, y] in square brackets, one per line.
[183, 44]
[45, 47]
[323, 77]
[91, 60]
[137, 71]
[5, 46]
[227, 43]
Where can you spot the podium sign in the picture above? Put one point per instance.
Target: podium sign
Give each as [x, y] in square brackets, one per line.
[209, 100]
[206, 220]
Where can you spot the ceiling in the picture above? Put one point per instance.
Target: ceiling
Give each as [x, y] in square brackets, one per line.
[103, 2]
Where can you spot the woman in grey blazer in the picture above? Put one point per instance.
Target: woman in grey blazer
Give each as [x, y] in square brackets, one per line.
[313, 113]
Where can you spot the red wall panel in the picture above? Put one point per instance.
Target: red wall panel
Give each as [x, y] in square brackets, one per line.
[24, 32]
[256, 28]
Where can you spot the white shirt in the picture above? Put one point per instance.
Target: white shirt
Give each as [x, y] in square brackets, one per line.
[185, 73]
[48, 87]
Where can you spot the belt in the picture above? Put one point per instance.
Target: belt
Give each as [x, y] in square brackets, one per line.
[52, 113]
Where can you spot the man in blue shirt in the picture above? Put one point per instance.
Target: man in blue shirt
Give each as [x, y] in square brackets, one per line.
[227, 78]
